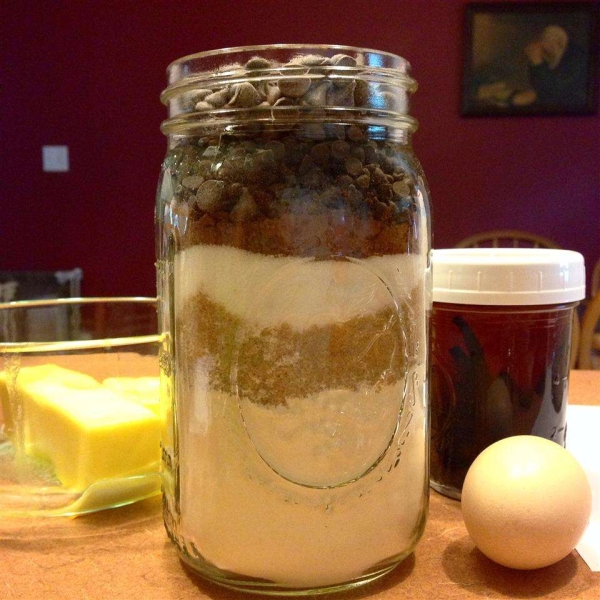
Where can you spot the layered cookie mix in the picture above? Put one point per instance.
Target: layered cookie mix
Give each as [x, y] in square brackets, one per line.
[299, 340]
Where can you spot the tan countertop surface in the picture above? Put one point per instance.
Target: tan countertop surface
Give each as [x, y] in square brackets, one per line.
[125, 553]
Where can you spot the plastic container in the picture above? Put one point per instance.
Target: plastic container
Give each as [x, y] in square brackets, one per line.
[500, 348]
[293, 277]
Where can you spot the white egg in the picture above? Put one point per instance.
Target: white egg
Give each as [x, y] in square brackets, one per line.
[526, 502]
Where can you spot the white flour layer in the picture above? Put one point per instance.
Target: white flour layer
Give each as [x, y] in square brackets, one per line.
[267, 291]
[245, 518]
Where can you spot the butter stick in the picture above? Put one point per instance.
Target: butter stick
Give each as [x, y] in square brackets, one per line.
[143, 390]
[88, 434]
[26, 375]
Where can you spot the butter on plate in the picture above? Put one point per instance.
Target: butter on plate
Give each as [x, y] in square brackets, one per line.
[88, 431]
[68, 377]
[143, 390]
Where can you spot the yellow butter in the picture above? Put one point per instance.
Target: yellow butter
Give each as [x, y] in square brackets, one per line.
[143, 390]
[88, 434]
[25, 375]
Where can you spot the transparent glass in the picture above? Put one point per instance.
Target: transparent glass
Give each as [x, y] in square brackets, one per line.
[293, 276]
[496, 371]
[79, 405]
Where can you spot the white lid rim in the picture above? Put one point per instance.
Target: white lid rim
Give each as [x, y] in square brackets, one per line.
[509, 299]
[507, 276]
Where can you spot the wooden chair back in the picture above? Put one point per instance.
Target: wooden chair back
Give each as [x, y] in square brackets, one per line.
[506, 238]
[589, 346]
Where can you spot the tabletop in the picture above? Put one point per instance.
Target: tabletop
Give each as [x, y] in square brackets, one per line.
[125, 553]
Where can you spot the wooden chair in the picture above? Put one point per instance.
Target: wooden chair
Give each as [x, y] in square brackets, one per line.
[506, 238]
[596, 279]
[39, 285]
[589, 348]
[514, 238]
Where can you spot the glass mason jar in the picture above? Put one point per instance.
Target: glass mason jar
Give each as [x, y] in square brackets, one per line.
[293, 247]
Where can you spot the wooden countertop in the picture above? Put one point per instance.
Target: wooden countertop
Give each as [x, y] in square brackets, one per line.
[125, 553]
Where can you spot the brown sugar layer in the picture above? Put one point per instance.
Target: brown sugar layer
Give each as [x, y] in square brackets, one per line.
[324, 235]
[269, 365]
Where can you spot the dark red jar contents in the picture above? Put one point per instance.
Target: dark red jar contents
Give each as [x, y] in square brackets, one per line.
[497, 371]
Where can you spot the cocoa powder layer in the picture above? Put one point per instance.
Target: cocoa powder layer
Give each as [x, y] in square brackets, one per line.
[272, 364]
[329, 234]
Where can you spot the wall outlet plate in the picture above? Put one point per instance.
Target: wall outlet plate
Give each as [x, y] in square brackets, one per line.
[55, 159]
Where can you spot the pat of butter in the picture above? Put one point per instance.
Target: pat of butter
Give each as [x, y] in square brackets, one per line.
[143, 390]
[67, 377]
[89, 434]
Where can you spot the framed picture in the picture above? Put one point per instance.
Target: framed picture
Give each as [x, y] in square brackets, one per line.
[534, 58]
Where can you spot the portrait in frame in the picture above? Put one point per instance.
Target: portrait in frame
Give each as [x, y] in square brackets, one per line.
[530, 58]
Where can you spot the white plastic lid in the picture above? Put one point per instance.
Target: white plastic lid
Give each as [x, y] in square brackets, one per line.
[507, 276]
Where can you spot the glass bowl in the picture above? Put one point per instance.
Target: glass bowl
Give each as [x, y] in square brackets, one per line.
[79, 405]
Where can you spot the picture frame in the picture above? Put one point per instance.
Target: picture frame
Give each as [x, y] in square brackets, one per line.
[530, 58]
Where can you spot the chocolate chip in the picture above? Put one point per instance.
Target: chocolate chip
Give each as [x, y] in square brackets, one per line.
[370, 154]
[380, 209]
[294, 87]
[363, 181]
[209, 195]
[277, 148]
[258, 62]
[378, 176]
[201, 94]
[344, 181]
[192, 182]
[358, 152]
[190, 99]
[361, 93]
[200, 106]
[295, 165]
[306, 165]
[218, 99]
[317, 95]
[320, 153]
[245, 208]
[210, 152]
[313, 131]
[314, 178]
[234, 191]
[272, 92]
[264, 159]
[385, 193]
[355, 134]
[244, 96]
[340, 149]
[232, 168]
[341, 95]
[204, 168]
[353, 166]
[386, 164]
[401, 189]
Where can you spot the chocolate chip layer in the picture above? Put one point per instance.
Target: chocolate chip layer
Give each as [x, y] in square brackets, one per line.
[284, 194]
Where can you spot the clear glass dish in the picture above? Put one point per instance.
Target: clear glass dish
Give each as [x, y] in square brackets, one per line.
[79, 405]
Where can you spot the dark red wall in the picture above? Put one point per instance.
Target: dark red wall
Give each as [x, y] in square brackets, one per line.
[88, 75]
